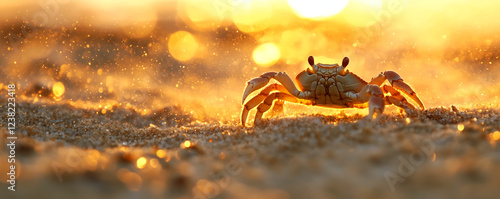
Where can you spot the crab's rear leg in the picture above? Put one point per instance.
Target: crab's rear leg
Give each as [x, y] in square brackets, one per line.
[398, 83]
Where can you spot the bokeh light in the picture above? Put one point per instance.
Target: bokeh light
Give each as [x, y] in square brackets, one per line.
[154, 163]
[141, 162]
[496, 135]
[187, 144]
[266, 55]
[317, 9]
[58, 89]
[64, 70]
[182, 45]
[132, 180]
[161, 153]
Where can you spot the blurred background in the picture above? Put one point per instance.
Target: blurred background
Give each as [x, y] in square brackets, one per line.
[198, 54]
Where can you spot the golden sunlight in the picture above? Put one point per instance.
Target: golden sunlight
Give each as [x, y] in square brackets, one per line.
[203, 15]
[182, 45]
[266, 55]
[317, 9]
[252, 16]
[362, 13]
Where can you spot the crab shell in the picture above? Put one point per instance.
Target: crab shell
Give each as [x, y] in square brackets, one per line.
[329, 83]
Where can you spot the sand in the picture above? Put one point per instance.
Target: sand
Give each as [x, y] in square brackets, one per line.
[67, 152]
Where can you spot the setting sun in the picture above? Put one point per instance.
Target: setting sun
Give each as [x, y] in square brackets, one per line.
[317, 9]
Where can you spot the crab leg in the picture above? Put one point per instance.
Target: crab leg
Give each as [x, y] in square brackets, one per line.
[376, 103]
[283, 78]
[264, 106]
[257, 83]
[278, 107]
[396, 99]
[256, 100]
[372, 94]
[398, 83]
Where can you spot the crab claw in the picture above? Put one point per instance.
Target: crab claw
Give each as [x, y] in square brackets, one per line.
[257, 83]
[406, 89]
[398, 83]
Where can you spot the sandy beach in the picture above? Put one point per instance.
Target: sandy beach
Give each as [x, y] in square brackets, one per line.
[68, 152]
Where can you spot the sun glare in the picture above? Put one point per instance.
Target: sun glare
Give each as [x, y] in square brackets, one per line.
[317, 9]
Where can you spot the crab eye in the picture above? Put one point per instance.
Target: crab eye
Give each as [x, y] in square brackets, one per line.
[311, 60]
[345, 62]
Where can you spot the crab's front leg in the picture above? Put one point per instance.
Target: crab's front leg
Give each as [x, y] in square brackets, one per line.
[259, 82]
[398, 83]
[286, 86]
[257, 99]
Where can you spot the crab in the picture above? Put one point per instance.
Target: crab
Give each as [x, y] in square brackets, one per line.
[328, 85]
